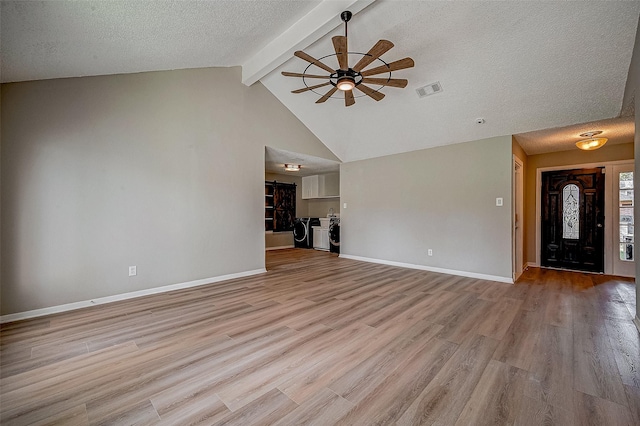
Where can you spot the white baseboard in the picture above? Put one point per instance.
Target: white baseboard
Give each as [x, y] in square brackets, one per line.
[124, 296]
[507, 280]
[279, 248]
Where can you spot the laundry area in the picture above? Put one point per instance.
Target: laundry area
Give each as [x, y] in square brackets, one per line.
[319, 233]
[302, 202]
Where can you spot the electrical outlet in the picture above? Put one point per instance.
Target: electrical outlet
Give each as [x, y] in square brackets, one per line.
[499, 202]
[429, 252]
[344, 205]
[133, 271]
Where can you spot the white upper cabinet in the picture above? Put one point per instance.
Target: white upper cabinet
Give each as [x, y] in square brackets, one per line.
[321, 186]
[309, 187]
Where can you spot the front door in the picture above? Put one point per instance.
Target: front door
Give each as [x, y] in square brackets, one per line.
[572, 219]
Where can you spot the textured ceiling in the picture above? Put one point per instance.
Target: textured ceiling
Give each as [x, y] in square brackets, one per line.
[522, 66]
[275, 159]
[52, 39]
[617, 130]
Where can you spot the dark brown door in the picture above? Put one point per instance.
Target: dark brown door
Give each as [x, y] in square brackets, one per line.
[573, 219]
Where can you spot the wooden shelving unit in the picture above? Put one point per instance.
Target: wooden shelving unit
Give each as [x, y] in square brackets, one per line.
[269, 211]
[279, 206]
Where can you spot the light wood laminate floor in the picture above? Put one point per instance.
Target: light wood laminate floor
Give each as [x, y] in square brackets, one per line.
[323, 340]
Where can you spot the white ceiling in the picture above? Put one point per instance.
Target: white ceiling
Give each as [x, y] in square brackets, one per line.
[275, 159]
[522, 66]
[62, 38]
[616, 130]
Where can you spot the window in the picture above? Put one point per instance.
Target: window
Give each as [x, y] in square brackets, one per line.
[625, 180]
[571, 212]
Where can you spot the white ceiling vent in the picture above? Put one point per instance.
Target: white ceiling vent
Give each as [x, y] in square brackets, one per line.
[429, 89]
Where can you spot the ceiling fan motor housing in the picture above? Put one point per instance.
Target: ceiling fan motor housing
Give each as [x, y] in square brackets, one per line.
[350, 75]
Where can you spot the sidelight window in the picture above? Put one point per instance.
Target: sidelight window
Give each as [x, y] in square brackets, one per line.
[626, 215]
[571, 212]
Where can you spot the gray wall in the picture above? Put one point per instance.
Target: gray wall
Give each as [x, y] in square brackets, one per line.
[442, 198]
[319, 207]
[636, 183]
[160, 170]
[633, 91]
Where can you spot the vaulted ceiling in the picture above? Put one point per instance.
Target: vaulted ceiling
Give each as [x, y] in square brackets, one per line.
[521, 66]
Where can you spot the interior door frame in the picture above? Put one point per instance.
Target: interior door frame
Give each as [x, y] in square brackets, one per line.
[517, 211]
[608, 207]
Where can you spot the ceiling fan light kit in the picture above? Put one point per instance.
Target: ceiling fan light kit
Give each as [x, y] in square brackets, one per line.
[346, 83]
[591, 143]
[345, 78]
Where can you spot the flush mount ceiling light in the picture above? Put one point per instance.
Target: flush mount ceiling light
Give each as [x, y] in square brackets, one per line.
[292, 167]
[591, 143]
[345, 79]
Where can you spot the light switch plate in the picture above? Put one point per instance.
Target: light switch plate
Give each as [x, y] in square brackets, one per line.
[499, 202]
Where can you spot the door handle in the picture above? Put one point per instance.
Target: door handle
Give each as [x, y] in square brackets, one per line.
[599, 225]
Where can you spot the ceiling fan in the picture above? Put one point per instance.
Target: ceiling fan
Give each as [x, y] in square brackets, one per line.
[347, 78]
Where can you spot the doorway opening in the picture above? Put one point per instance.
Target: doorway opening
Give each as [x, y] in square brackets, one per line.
[290, 200]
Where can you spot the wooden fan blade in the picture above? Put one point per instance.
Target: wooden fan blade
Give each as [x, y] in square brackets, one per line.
[300, 54]
[327, 95]
[297, 74]
[393, 66]
[391, 82]
[374, 53]
[310, 87]
[340, 46]
[348, 98]
[370, 92]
